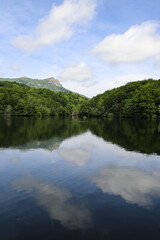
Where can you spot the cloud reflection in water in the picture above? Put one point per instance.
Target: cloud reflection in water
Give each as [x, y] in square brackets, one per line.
[57, 201]
[132, 184]
[78, 150]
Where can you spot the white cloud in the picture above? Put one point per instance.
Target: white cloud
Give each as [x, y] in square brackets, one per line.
[137, 44]
[131, 184]
[60, 24]
[80, 72]
[90, 84]
[16, 68]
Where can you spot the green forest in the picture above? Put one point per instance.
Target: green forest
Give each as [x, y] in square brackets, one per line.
[135, 99]
[141, 98]
[21, 100]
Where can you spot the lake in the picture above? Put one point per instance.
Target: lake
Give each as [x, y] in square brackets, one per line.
[73, 179]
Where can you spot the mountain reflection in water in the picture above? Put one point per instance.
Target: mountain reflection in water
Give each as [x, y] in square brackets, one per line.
[94, 179]
[133, 135]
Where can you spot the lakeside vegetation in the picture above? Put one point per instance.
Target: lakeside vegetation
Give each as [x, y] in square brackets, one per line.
[141, 98]
[135, 99]
[20, 100]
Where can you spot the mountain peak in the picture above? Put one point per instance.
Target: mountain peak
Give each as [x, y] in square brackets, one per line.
[53, 80]
[48, 83]
[24, 77]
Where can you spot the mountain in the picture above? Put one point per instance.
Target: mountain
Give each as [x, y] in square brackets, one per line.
[135, 99]
[48, 83]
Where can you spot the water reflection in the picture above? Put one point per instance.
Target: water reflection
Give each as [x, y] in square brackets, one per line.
[38, 133]
[76, 179]
[134, 177]
[132, 184]
[132, 134]
[57, 201]
[77, 150]
[140, 135]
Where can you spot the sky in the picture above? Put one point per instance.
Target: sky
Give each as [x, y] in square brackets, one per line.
[90, 46]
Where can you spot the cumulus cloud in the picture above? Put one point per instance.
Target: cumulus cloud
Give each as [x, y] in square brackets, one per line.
[137, 44]
[16, 68]
[131, 184]
[80, 72]
[60, 24]
[56, 200]
[90, 84]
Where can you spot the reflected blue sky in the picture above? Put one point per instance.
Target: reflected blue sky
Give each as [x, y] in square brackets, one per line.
[86, 162]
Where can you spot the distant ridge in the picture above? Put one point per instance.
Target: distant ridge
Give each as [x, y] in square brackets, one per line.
[48, 83]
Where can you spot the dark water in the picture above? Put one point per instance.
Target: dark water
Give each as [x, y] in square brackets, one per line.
[72, 179]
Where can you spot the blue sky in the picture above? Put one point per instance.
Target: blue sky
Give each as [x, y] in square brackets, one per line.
[89, 45]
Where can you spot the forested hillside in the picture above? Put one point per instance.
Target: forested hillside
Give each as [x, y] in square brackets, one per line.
[49, 83]
[141, 98]
[20, 100]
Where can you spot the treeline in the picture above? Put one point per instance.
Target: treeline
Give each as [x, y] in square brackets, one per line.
[141, 98]
[21, 100]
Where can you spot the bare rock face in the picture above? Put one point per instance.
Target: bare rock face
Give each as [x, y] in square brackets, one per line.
[24, 77]
[48, 83]
[54, 81]
[50, 80]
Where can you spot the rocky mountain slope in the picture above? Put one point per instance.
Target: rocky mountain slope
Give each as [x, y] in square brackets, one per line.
[49, 83]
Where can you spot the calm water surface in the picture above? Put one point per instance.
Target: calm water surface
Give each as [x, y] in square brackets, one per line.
[72, 179]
